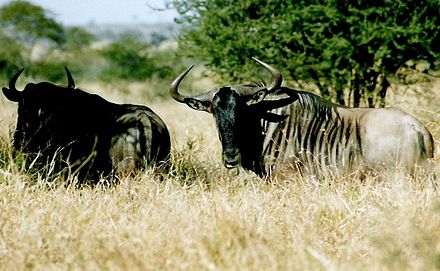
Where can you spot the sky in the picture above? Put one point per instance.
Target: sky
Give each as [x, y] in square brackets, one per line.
[81, 12]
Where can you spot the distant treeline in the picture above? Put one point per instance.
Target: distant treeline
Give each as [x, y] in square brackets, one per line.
[349, 52]
[32, 39]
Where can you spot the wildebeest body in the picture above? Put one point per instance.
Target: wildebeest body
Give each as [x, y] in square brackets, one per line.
[138, 131]
[320, 136]
[263, 128]
[84, 133]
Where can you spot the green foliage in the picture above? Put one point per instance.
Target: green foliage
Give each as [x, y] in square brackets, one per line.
[30, 38]
[23, 25]
[51, 70]
[128, 59]
[131, 59]
[29, 23]
[347, 49]
[11, 57]
[77, 39]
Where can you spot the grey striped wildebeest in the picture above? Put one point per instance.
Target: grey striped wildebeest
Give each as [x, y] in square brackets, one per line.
[263, 127]
[84, 134]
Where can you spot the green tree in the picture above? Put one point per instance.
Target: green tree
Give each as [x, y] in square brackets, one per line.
[128, 58]
[26, 27]
[348, 49]
[28, 23]
[10, 56]
[78, 39]
[22, 26]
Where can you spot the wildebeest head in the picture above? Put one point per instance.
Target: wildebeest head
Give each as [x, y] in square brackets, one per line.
[238, 111]
[36, 104]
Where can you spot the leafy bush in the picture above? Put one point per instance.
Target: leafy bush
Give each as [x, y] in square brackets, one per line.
[29, 23]
[78, 39]
[33, 40]
[348, 49]
[10, 56]
[128, 59]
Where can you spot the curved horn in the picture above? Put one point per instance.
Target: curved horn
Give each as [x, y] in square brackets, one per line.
[12, 93]
[174, 88]
[70, 82]
[277, 78]
[14, 80]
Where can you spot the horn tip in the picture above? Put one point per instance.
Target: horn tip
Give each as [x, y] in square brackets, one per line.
[256, 59]
[15, 77]
[70, 81]
[175, 85]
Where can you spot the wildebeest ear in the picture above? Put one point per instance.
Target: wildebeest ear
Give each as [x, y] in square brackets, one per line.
[198, 105]
[273, 117]
[257, 97]
[280, 98]
[12, 94]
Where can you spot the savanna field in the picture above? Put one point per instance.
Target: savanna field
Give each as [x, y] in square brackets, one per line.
[199, 217]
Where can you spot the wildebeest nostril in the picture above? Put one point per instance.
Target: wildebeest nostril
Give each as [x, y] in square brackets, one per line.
[231, 158]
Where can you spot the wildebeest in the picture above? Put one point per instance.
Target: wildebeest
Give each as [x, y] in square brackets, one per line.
[84, 134]
[262, 127]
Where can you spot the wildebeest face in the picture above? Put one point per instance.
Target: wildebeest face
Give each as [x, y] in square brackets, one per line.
[225, 108]
[235, 119]
[237, 111]
[35, 107]
[33, 116]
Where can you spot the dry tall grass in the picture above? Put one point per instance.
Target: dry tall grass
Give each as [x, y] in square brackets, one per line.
[201, 218]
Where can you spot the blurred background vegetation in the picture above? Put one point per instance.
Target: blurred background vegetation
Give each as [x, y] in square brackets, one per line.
[347, 51]
[31, 38]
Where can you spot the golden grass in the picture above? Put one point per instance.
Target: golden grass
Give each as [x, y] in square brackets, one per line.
[201, 218]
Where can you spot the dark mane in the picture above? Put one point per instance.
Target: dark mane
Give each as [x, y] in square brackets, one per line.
[316, 104]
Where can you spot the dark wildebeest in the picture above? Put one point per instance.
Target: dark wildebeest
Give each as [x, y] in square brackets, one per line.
[84, 134]
[262, 127]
